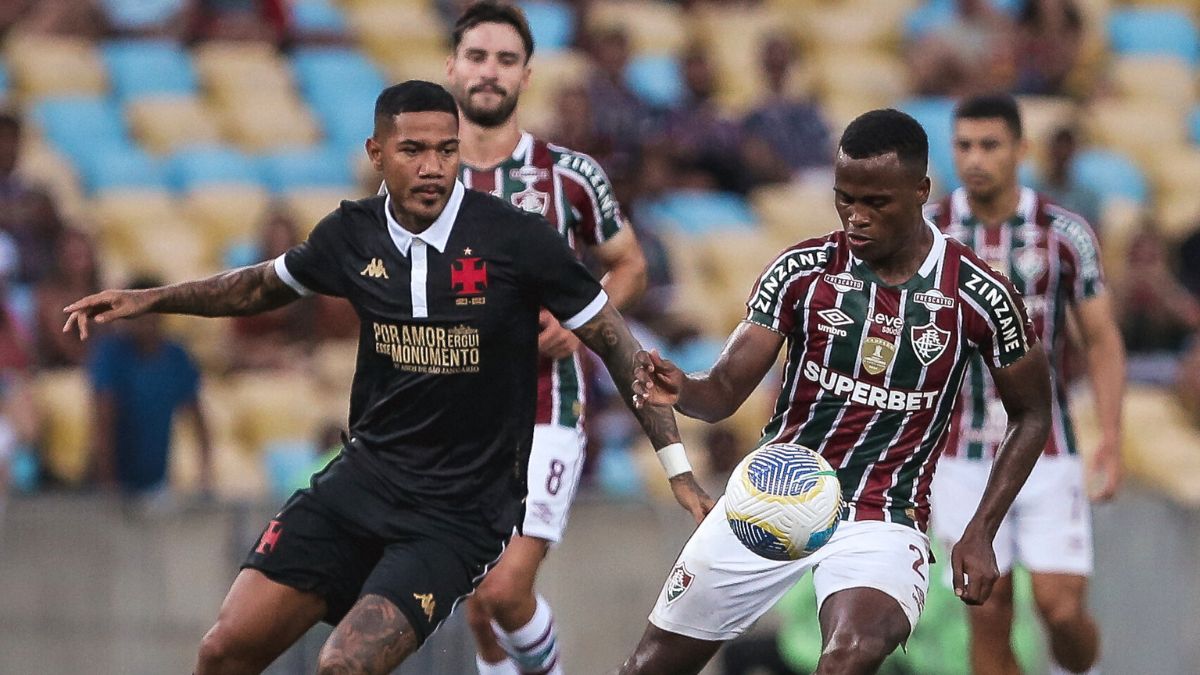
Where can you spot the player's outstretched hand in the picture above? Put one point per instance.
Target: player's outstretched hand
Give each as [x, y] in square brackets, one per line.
[656, 381]
[691, 496]
[554, 341]
[105, 306]
[974, 565]
[1104, 472]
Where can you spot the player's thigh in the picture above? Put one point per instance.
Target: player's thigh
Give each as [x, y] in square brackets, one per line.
[259, 619]
[514, 575]
[957, 489]
[717, 587]
[1054, 521]
[427, 575]
[866, 621]
[374, 638]
[662, 652]
[889, 558]
[555, 467]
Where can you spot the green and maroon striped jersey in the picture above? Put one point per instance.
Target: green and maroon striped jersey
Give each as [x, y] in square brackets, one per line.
[573, 193]
[873, 370]
[1052, 258]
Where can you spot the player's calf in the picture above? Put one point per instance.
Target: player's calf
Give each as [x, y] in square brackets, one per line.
[1061, 602]
[991, 632]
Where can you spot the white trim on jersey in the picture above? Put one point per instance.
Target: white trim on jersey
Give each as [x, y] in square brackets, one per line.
[587, 313]
[437, 234]
[583, 182]
[285, 275]
[418, 279]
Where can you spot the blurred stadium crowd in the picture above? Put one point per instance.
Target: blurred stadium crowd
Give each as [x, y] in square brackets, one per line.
[175, 138]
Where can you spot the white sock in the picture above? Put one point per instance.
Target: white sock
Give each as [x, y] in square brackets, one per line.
[534, 646]
[505, 667]
[1056, 669]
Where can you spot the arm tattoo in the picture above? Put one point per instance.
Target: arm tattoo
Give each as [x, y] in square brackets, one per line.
[608, 336]
[373, 638]
[247, 290]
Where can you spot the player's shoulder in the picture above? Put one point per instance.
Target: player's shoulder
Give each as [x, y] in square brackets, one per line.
[807, 257]
[1067, 224]
[568, 159]
[939, 211]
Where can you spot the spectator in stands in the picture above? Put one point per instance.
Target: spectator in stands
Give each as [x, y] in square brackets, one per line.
[1049, 36]
[1189, 251]
[708, 142]
[75, 274]
[971, 53]
[250, 20]
[1157, 313]
[18, 423]
[575, 126]
[149, 18]
[280, 338]
[27, 213]
[1057, 178]
[617, 112]
[140, 379]
[785, 135]
[71, 18]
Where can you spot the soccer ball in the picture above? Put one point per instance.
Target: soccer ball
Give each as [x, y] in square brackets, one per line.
[783, 501]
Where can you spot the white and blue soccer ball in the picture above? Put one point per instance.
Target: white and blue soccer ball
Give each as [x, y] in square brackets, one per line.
[783, 501]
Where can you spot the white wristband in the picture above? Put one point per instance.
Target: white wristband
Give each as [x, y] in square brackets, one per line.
[674, 459]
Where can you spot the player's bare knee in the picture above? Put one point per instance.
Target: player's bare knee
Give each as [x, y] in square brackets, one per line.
[1062, 612]
[218, 650]
[855, 652]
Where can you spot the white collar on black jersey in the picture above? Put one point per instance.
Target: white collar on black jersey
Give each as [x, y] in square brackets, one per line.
[437, 234]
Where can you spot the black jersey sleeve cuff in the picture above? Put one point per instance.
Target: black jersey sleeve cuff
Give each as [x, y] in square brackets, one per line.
[282, 271]
[587, 313]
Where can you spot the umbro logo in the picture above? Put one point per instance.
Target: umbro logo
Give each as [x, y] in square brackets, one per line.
[835, 317]
[375, 269]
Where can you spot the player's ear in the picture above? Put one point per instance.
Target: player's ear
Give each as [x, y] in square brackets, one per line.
[375, 153]
[449, 65]
[923, 189]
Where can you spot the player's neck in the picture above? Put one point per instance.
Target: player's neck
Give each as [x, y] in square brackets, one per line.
[994, 210]
[485, 147]
[407, 220]
[901, 267]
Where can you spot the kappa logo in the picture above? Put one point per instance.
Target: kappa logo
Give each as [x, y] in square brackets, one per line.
[678, 582]
[843, 282]
[929, 342]
[375, 269]
[428, 604]
[933, 300]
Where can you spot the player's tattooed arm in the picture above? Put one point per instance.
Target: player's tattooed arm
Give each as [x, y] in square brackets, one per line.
[247, 290]
[608, 336]
[1024, 389]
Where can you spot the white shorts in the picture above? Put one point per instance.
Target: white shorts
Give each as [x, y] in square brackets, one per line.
[1048, 529]
[555, 466]
[718, 588]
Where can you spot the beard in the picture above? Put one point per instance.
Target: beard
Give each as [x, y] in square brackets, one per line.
[489, 117]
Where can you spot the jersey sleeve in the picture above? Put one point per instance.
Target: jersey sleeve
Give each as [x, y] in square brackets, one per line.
[1084, 275]
[772, 301]
[312, 266]
[995, 319]
[590, 194]
[560, 281]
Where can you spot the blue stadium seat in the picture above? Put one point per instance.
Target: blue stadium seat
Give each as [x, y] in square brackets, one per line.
[552, 24]
[1111, 174]
[139, 68]
[1157, 31]
[656, 79]
[936, 115]
[317, 16]
[322, 72]
[118, 167]
[305, 167]
[1194, 125]
[211, 165]
[74, 125]
[698, 212]
[3, 82]
[141, 15]
[348, 119]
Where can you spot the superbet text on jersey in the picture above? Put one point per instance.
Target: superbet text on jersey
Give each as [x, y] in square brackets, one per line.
[873, 370]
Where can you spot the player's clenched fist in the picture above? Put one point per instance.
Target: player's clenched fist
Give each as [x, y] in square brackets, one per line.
[973, 562]
[106, 306]
[656, 381]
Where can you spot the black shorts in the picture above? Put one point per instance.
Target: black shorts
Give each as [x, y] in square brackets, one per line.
[429, 559]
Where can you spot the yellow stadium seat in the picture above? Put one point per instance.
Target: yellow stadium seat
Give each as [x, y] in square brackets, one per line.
[1041, 115]
[842, 27]
[1140, 129]
[874, 76]
[45, 65]
[173, 251]
[1155, 78]
[381, 24]
[1176, 169]
[273, 406]
[653, 27]
[551, 74]
[136, 207]
[63, 399]
[42, 165]
[226, 214]
[333, 365]
[308, 206]
[256, 125]
[235, 71]
[184, 469]
[794, 212]
[733, 37]
[405, 61]
[840, 110]
[165, 124]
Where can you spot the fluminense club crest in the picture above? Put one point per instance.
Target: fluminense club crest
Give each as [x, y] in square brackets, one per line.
[678, 582]
[533, 201]
[929, 342]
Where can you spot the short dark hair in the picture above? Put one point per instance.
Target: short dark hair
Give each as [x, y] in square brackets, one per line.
[412, 96]
[10, 121]
[490, 11]
[879, 132]
[991, 107]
